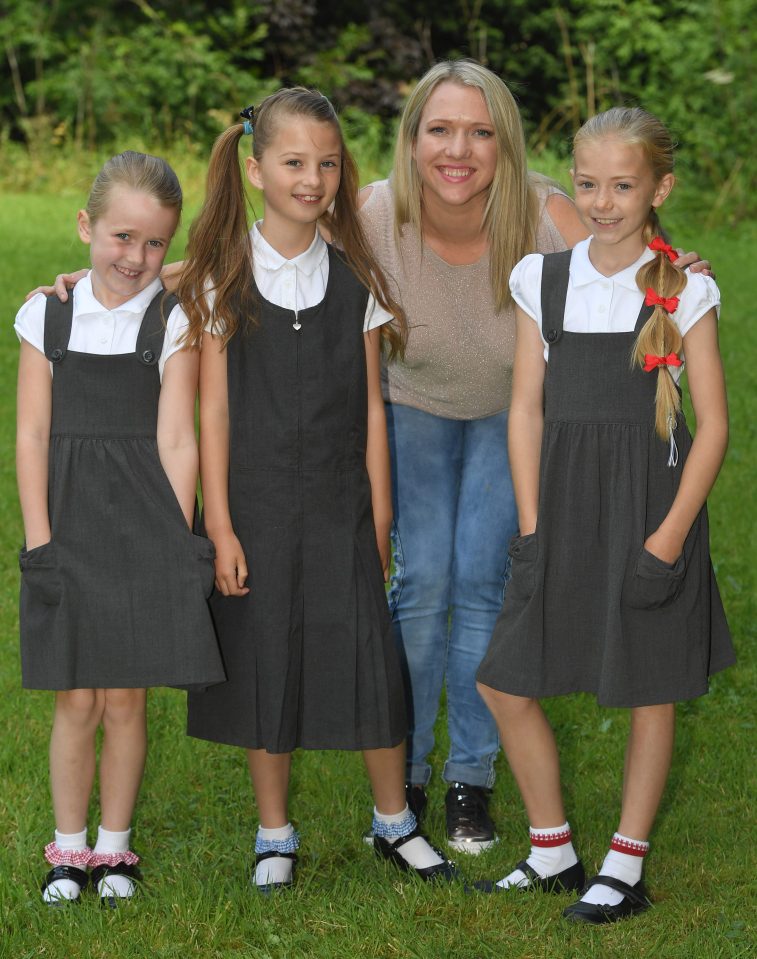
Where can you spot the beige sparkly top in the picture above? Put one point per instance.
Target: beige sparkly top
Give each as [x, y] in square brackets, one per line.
[459, 358]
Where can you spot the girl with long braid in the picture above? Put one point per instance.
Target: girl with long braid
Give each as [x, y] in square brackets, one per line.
[612, 589]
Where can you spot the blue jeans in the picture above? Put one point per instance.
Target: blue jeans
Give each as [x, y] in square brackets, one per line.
[454, 514]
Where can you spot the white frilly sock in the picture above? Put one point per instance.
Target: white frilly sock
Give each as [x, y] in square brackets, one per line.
[121, 887]
[66, 888]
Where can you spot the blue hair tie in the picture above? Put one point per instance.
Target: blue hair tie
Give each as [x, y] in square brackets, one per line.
[249, 120]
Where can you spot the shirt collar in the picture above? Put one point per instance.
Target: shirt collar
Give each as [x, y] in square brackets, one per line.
[583, 272]
[264, 256]
[86, 303]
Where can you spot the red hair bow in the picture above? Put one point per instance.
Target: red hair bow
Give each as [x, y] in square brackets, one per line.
[660, 246]
[669, 303]
[651, 361]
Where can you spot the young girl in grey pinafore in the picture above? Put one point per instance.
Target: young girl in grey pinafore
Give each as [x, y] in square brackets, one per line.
[295, 475]
[612, 589]
[114, 583]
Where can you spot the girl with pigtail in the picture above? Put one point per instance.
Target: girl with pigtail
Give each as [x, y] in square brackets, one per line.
[612, 589]
[295, 474]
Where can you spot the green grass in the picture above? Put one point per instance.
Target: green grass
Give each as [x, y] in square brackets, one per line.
[195, 819]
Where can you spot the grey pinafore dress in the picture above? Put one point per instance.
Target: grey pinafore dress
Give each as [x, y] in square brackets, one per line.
[308, 652]
[587, 608]
[117, 598]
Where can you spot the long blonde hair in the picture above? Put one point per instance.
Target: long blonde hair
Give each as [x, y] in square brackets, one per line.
[512, 208]
[660, 335]
[219, 257]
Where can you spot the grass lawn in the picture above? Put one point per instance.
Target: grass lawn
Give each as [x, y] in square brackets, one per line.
[195, 820]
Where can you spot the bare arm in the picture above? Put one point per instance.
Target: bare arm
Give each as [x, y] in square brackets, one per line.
[171, 274]
[63, 283]
[231, 566]
[525, 422]
[177, 444]
[707, 386]
[563, 214]
[572, 230]
[34, 411]
[377, 451]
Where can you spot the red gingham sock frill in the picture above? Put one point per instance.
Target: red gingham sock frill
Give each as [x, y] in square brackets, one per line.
[68, 857]
[113, 858]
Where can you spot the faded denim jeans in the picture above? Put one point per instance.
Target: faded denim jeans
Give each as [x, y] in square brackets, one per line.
[454, 515]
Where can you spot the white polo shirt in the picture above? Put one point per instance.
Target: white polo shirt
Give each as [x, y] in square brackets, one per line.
[95, 329]
[301, 282]
[607, 304]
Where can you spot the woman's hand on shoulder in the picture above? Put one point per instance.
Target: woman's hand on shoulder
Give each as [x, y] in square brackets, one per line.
[231, 565]
[63, 283]
[693, 262]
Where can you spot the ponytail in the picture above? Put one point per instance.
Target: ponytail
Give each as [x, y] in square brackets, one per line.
[660, 335]
[218, 251]
[219, 258]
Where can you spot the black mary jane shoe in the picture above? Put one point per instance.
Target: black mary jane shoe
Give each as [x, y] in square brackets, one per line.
[73, 873]
[267, 888]
[101, 872]
[571, 879]
[634, 900]
[442, 872]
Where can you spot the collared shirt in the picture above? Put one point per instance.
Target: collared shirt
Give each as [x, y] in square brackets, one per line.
[608, 304]
[300, 283]
[96, 329]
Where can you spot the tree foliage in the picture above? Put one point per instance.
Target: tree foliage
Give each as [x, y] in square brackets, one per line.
[90, 73]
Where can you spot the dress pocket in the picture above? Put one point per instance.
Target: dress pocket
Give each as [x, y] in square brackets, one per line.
[652, 582]
[40, 574]
[520, 578]
[205, 552]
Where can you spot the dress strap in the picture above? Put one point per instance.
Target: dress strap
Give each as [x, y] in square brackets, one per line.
[554, 289]
[644, 313]
[58, 319]
[153, 329]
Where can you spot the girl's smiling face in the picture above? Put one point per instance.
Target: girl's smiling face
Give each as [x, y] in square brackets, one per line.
[614, 190]
[455, 150]
[299, 174]
[127, 244]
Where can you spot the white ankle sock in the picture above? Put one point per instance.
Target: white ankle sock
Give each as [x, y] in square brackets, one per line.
[551, 852]
[278, 868]
[66, 888]
[418, 853]
[624, 861]
[121, 887]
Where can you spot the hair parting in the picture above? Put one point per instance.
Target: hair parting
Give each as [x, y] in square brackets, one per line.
[660, 334]
[136, 171]
[219, 256]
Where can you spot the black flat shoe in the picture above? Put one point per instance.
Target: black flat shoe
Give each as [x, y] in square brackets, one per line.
[634, 900]
[443, 872]
[571, 879]
[267, 888]
[108, 900]
[73, 873]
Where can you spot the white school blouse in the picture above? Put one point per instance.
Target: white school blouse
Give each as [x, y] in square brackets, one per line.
[607, 304]
[96, 329]
[300, 283]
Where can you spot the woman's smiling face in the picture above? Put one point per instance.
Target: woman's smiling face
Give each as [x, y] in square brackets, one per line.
[455, 150]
